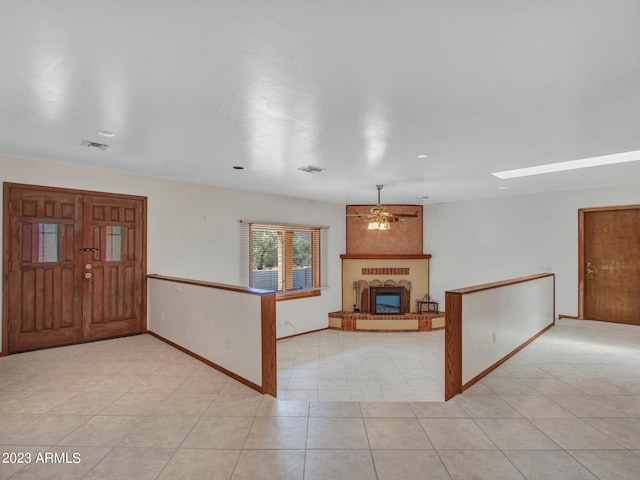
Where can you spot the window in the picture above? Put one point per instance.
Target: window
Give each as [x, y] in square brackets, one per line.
[114, 243]
[47, 242]
[286, 258]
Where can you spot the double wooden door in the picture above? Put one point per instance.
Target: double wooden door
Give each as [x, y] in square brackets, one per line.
[74, 265]
[609, 276]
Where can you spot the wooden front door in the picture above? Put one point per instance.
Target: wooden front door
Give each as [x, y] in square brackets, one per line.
[74, 266]
[609, 276]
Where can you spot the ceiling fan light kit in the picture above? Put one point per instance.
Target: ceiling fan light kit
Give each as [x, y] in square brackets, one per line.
[380, 218]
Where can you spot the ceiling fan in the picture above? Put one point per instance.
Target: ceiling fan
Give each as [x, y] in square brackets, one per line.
[379, 218]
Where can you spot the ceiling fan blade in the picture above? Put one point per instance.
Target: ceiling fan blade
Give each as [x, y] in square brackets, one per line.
[406, 215]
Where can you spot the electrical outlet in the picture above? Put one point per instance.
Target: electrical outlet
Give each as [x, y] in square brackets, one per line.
[162, 317]
[494, 337]
[226, 343]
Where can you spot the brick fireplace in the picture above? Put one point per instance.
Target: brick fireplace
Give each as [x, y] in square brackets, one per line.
[384, 261]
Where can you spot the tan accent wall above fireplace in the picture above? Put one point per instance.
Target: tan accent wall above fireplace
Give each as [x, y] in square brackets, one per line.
[403, 238]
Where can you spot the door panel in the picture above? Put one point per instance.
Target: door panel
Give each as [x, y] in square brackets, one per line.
[113, 295]
[611, 267]
[75, 266]
[45, 301]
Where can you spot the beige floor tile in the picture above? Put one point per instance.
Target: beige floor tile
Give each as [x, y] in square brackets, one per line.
[587, 406]
[386, 409]
[198, 464]
[536, 406]
[625, 431]
[479, 465]
[409, 465]
[17, 458]
[233, 406]
[181, 369]
[73, 383]
[551, 386]
[117, 383]
[219, 432]
[334, 464]
[86, 403]
[610, 464]
[10, 422]
[308, 395]
[515, 434]
[135, 403]
[102, 431]
[507, 386]
[269, 465]
[160, 384]
[202, 385]
[449, 409]
[455, 434]
[31, 402]
[574, 433]
[367, 395]
[125, 463]
[186, 405]
[67, 463]
[595, 386]
[270, 406]
[160, 432]
[335, 409]
[337, 433]
[277, 433]
[545, 465]
[396, 433]
[486, 406]
[46, 430]
[334, 395]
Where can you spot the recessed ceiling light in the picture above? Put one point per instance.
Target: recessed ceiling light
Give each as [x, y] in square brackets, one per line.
[238, 167]
[570, 165]
[423, 155]
[503, 188]
[105, 133]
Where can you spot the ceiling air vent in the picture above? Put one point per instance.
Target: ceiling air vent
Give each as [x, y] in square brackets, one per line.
[311, 169]
[89, 143]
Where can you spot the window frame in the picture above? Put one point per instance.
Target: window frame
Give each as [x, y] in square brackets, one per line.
[285, 256]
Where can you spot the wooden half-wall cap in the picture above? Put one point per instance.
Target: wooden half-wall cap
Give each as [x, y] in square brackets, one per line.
[385, 256]
[569, 317]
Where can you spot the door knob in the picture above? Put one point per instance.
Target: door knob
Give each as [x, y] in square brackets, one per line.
[88, 266]
[87, 275]
[589, 268]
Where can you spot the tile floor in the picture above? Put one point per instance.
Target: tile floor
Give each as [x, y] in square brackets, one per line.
[566, 407]
[333, 365]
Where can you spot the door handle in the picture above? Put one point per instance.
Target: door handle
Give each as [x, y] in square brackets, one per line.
[87, 275]
[589, 268]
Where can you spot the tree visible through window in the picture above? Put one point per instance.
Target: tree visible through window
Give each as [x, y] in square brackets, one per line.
[284, 258]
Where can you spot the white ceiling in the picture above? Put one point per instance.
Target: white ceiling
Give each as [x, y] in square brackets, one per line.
[357, 87]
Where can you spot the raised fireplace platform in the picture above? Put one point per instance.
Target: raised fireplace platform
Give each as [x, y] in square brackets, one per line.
[367, 322]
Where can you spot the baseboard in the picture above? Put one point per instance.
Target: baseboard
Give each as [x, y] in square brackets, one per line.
[228, 373]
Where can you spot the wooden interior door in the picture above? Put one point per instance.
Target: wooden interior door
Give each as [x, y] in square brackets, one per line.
[74, 264]
[113, 264]
[610, 270]
[45, 290]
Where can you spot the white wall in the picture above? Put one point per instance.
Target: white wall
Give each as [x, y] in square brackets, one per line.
[222, 326]
[483, 241]
[497, 321]
[193, 230]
